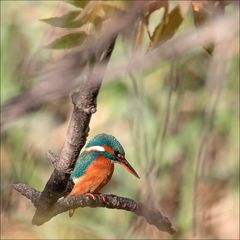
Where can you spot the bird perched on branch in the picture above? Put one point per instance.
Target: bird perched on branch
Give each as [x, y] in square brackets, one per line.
[95, 165]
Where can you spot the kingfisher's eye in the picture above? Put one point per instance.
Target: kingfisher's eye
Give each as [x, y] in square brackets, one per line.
[117, 154]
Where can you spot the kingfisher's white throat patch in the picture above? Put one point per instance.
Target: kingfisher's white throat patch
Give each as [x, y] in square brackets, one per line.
[94, 148]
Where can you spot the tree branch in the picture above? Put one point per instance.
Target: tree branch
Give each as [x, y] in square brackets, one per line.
[152, 216]
[84, 104]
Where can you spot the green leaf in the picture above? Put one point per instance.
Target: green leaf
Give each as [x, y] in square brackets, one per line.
[65, 21]
[93, 13]
[68, 41]
[78, 3]
[167, 28]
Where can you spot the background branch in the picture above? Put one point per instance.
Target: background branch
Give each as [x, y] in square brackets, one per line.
[69, 72]
[152, 216]
[67, 69]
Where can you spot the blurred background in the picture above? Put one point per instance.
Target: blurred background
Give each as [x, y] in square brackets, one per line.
[178, 122]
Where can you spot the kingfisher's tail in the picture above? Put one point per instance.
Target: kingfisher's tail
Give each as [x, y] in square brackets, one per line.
[71, 212]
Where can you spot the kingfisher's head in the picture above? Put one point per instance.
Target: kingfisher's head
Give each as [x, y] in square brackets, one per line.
[110, 147]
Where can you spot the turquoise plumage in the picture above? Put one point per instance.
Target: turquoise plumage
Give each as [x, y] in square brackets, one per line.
[106, 139]
[95, 165]
[84, 160]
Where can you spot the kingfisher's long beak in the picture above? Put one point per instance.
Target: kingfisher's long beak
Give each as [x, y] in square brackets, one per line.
[128, 167]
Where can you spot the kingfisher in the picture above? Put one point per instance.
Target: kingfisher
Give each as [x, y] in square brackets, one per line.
[95, 165]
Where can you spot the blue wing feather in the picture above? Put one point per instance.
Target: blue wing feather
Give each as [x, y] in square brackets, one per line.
[83, 162]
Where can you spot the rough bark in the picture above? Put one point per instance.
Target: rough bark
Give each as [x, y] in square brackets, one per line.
[152, 216]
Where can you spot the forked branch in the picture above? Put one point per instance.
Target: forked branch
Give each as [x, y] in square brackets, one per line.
[84, 104]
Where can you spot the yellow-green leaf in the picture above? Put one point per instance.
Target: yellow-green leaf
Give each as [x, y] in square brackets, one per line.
[65, 21]
[167, 28]
[92, 13]
[68, 41]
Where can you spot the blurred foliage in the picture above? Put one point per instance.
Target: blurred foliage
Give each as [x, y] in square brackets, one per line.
[158, 115]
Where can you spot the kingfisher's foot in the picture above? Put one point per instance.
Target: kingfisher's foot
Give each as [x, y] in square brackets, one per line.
[102, 196]
[91, 195]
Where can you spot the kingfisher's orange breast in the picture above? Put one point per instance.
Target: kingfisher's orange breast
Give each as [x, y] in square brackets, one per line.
[97, 175]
